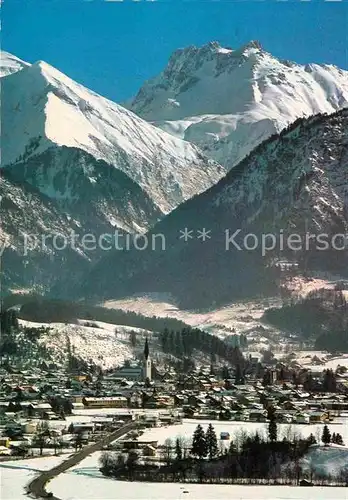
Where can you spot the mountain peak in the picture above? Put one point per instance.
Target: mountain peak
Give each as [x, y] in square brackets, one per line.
[10, 64]
[192, 58]
[46, 109]
[227, 100]
[253, 44]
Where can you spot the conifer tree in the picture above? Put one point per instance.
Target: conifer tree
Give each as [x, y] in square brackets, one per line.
[272, 429]
[339, 439]
[211, 440]
[311, 439]
[178, 449]
[326, 436]
[232, 448]
[199, 444]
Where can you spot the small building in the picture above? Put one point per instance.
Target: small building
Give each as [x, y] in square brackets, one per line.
[29, 427]
[149, 451]
[136, 444]
[39, 409]
[318, 416]
[224, 436]
[129, 372]
[76, 398]
[160, 401]
[150, 420]
[257, 415]
[5, 441]
[81, 427]
[106, 402]
[79, 377]
[305, 482]
[78, 406]
[302, 418]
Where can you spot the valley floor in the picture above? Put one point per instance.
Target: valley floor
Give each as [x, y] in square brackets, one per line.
[70, 486]
[240, 317]
[67, 487]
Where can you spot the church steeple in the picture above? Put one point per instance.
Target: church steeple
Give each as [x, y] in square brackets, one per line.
[147, 362]
[146, 349]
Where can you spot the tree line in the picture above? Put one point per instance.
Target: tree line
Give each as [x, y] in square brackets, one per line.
[17, 340]
[182, 343]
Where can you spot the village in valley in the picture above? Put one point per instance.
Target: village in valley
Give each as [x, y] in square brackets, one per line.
[54, 410]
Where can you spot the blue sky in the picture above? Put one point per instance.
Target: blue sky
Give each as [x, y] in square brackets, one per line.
[113, 47]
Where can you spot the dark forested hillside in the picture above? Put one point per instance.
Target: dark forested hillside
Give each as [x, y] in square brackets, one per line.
[61, 311]
[322, 317]
[295, 183]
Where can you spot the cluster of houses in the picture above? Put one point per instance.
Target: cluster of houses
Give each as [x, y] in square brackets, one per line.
[249, 402]
[86, 403]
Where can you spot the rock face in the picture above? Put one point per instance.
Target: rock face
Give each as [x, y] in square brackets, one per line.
[228, 101]
[296, 182]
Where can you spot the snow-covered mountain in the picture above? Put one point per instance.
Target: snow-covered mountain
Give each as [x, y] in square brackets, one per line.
[10, 64]
[228, 101]
[44, 110]
[90, 166]
[296, 182]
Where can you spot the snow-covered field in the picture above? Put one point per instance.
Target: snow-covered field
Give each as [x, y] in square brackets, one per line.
[303, 286]
[325, 361]
[241, 317]
[331, 364]
[68, 487]
[187, 428]
[331, 459]
[16, 474]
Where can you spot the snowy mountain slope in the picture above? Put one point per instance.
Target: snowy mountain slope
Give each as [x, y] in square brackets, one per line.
[41, 237]
[10, 64]
[295, 182]
[99, 344]
[25, 211]
[44, 109]
[228, 101]
[89, 190]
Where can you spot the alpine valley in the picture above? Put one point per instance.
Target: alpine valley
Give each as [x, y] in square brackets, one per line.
[174, 310]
